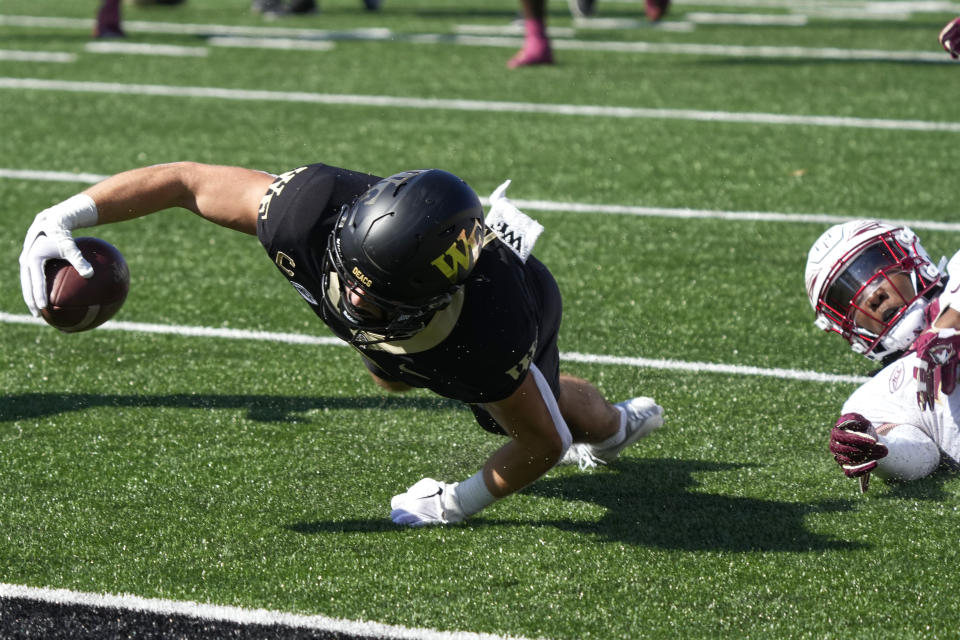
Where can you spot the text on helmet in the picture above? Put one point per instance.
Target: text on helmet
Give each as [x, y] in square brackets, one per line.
[462, 254]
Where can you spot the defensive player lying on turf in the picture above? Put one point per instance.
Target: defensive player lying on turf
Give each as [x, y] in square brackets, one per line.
[405, 270]
[875, 285]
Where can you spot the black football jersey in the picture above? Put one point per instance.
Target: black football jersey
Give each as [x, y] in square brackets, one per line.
[476, 350]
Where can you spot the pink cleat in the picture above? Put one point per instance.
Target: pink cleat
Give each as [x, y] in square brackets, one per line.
[530, 56]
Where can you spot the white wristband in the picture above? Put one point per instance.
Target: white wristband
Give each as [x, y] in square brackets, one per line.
[74, 213]
[471, 495]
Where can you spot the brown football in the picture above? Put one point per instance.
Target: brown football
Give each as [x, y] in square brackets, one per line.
[77, 303]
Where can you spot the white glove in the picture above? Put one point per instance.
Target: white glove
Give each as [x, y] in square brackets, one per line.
[427, 502]
[50, 237]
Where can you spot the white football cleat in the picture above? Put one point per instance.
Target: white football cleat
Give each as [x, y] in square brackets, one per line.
[644, 416]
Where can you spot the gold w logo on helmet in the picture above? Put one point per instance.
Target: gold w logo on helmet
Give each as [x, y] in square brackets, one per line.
[462, 254]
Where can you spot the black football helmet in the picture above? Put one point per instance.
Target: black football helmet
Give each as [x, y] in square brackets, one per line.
[404, 246]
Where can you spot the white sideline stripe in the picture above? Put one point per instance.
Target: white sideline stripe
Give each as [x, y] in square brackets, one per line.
[745, 51]
[51, 176]
[581, 45]
[507, 30]
[296, 338]
[474, 105]
[911, 6]
[598, 23]
[146, 49]
[711, 214]
[746, 19]
[577, 207]
[591, 23]
[180, 29]
[14, 55]
[286, 44]
[236, 615]
[192, 332]
[859, 14]
[709, 367]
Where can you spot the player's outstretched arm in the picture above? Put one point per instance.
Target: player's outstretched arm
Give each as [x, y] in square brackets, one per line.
[228, 196]
[894, 451]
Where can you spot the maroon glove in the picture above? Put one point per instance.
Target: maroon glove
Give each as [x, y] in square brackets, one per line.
[854, 444]
[950, 38]
[937, 369]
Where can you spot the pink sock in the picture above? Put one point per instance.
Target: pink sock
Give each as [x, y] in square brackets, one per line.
[536, 46]
[536, 32]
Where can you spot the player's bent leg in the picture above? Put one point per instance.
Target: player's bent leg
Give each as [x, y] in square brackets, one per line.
[641, 417]
[587, 413]
[637, 418]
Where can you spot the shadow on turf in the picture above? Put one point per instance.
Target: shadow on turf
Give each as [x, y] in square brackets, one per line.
[262, 408]
[929, 488]
[654, 503]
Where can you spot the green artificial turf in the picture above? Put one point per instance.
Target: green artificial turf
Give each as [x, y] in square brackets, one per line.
[259, 473]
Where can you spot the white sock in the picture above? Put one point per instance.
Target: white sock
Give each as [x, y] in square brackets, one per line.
[472, 494]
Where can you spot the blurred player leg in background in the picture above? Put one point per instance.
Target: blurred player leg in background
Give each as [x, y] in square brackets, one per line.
[274, 8]
[108, 20]
[536, 44]
[108, 17]
[581, 8]
[655, 9]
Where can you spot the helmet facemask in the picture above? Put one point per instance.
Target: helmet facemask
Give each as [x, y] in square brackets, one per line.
[890, 265]
[394, 320]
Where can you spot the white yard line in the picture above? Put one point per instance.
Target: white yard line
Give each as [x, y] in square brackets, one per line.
[486, 106]
[768, 52]
[301, 339]
[285, 44]
[237, 615]
[747, 19]
[907, 6]
[14, 55]
[573, 207]
[51, 176]
[145, 49]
